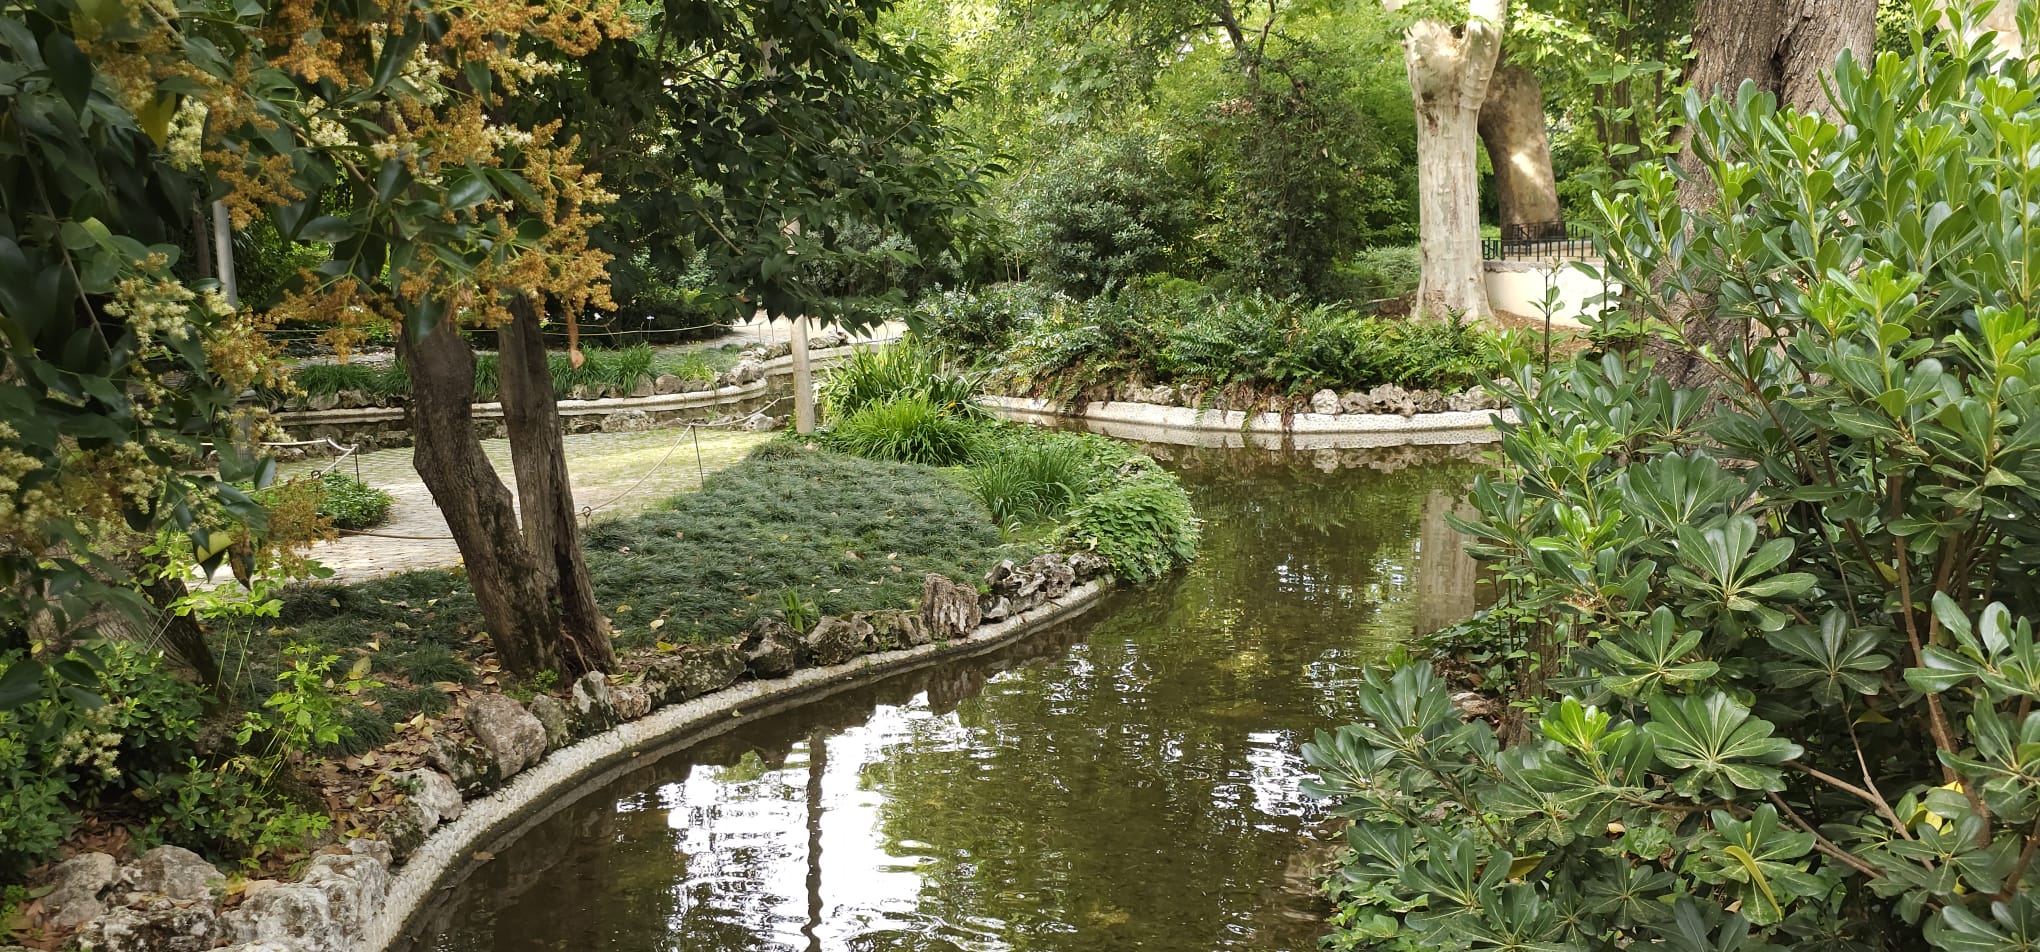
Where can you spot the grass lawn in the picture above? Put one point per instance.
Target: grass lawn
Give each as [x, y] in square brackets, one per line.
[838, 533]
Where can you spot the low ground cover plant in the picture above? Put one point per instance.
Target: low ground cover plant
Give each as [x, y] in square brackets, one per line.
[1767, 620]
[349, 503]
[1177, 333]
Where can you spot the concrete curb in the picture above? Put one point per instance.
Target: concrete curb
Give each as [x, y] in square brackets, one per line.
[776, 367]
[533, 794]
[1154, 423]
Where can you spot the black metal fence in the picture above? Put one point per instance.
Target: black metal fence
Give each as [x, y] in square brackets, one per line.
[1536, 241]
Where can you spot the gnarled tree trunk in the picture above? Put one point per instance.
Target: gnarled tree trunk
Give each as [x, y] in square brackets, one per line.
[1785, 47]
[1512, 127]
[1450, 65]
[509, 584]
[545, 496]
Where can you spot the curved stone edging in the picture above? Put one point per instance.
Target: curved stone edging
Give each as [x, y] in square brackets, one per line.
[775, 367]
[1149, 422]
[619, 749]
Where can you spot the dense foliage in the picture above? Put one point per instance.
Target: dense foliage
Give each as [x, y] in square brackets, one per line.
[615, 372]
[349, 503]
[1780, 661]
[1183, 335]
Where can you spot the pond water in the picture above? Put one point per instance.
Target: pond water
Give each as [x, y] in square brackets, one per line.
[1128, 780]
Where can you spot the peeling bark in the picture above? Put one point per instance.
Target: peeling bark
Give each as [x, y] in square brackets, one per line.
[1512, 127]
[1450, 65]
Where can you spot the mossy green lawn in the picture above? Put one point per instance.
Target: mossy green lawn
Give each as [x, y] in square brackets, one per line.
[842, 534]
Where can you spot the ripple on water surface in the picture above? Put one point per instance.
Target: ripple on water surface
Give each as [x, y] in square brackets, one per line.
[1129, 781]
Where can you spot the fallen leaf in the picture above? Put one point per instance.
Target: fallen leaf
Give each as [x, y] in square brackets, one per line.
[445, 687]
[657, 623]
[622, 608]
[483, 856]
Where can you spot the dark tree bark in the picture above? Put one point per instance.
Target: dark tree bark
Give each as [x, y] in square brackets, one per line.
[1786, 48]
[509, 585]
[546, 496]
[1512, 127]
[182, 634]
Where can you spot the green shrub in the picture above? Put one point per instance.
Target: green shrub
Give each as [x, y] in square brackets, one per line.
[1382, 274]
[1103, 211]
[1141, 522]
[384, 382]
[904, 368]
[351, 503]
[1776, 607]
[910, 429]
[1033, 480]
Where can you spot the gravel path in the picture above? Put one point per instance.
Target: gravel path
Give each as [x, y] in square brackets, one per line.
[615, 474]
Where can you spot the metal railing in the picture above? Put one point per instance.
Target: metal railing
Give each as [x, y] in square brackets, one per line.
[1536, 241]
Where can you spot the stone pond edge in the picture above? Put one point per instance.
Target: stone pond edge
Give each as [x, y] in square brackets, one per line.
[414, 884]
[1473, 422]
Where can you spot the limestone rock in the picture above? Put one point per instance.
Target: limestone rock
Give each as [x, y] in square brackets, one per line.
[694, 670]
[631, 702]
[594, 709]
[1088, 565]
[747, 370]
[835, 640]
[764, 424]
[354, 886]
[162, 925]
[323, 401]
[407, 825]
[999, 608]
[770, 649]
[374, 849]
[178, 873]
[296, 916]
[1325, 402]
[435, 791]
[643, 387]
[470, 768]
[1353, 401]
[695, 385]
[893, 630]
[514, 739]
[1389, 398]
[559, 729]
[628, 421]
[948, 610]
[75, 886]
[1428, 401]
[665, 383]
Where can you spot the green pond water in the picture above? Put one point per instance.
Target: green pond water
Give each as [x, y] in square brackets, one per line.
[1128, 780]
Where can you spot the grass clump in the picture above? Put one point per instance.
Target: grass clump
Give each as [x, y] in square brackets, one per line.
[1036, 480]
[910, 429]
[873, 376]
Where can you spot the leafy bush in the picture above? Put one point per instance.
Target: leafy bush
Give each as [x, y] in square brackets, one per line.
[1782, 666]
[351, 503]
[1038, 476]
[1176, 332]
[1382, 274]
[910, 429]
[904, 368]
[1141, 522]
[663, 299]
[104, 722]
[1103, 211]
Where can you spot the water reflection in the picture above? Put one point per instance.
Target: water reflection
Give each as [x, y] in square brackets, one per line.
[1128, 782]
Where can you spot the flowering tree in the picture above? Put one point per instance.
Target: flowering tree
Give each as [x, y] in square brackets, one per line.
[371, 127]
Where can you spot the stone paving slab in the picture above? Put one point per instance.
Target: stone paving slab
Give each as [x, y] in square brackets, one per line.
[614, 474]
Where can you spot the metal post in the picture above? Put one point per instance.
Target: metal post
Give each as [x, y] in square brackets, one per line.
[803, 380]
[223, 246]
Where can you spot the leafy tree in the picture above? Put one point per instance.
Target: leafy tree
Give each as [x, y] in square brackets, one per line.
[1786, 613]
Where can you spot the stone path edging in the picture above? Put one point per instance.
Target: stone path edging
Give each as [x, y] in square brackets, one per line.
[1476, 425]
[621, 747]
[776, 367]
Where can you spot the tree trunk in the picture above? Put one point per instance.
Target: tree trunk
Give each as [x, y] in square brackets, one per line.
[508, 582]
[1786, 48]
[182, 634]
[545, 496]
[1518, 146]
[1450, 66]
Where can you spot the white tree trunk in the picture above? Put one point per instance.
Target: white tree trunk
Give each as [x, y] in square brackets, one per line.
[1450, 66]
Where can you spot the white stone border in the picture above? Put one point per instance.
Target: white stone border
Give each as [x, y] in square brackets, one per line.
[776, 367]
[1149, 422]
[415, 883]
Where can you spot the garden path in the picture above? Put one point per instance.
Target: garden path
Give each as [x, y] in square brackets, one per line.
[614, 474]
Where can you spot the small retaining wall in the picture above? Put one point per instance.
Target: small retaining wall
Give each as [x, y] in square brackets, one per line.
[1153, 423]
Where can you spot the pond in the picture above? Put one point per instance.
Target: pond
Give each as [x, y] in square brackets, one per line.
[1128, 780]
